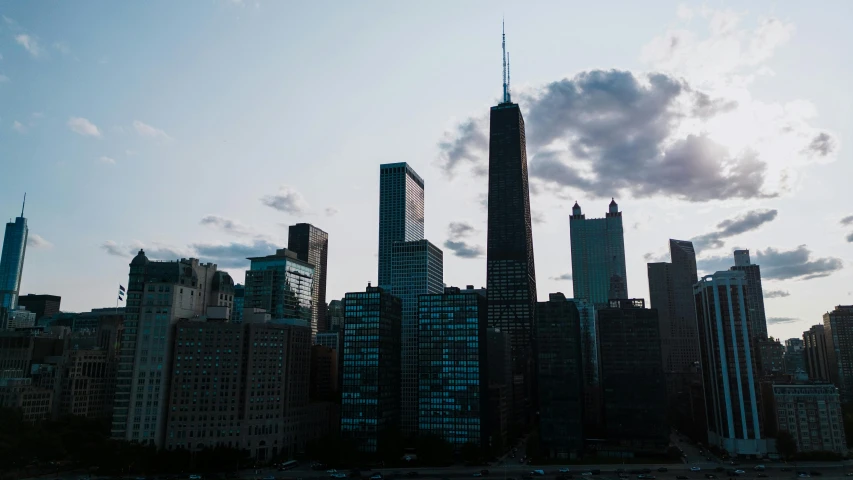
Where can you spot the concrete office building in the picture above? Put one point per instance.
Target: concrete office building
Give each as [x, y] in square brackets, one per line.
[632, 379]
[754, 292]
[158, 295]
[838, 328]
[452, 368]
[729, 364]
[812, 414]
[401, 213]
[598, 256]
[12, 260]
[417, 268]
[312, 245]
[560, 377]
[370, 394]
[815, 354]
[281, 284]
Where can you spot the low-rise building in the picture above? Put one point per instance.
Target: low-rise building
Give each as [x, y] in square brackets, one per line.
[812, 414]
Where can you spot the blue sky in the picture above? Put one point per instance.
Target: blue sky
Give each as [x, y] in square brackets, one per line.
[206, 127]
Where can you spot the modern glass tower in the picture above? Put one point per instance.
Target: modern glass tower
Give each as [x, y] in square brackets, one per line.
[312, 245]
[281, 284]
[401, 212]
[598, 256]
[453, 376]
[510, 270]
[12, 260]
[417, 268]
[754, 292]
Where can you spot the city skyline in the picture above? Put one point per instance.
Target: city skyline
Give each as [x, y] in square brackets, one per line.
[225, 229]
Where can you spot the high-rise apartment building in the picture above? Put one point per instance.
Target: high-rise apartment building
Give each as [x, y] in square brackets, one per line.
[598, 256]
[771, 356]
[417, 268]
[729, 364]
[560, 377]
[312, 245]
[41, 305]
[281, 284]
[510, 269]
[370, 394]
[237, 307]
[812, 414]
[12, 260]
[838, 326]
[816, 354]
[794, 356]
[452, 385]
[671, 293]
[632, 379]
[158, 295]
[401, 212]
[754, 292]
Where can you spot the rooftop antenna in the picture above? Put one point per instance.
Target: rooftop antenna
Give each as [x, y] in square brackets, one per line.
[503, 47]
[24, 205]
[508, 93]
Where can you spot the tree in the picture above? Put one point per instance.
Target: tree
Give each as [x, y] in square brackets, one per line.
[785, 444]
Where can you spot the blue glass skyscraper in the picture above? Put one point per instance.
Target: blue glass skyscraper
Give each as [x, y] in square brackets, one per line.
[598, 256]
[281, 284]
[12, 261]
[417, 268]
[401, 212]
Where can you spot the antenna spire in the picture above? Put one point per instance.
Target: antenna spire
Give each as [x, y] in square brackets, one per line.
[503, 47]
[24, 205]
[508, 93]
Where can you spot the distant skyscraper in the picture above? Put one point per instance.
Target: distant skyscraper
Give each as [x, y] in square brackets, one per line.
[598, 256]
[158, 295]
[12, 260]
[632, 380]
[281, 284]
[41, 305]
[237, 309]
[794, 357]
[560, 377]
[838, 325]
[815, 353]
[417, 268]
[452, 385]
[401, 212]
[754, 292]
[312, 245]
[370, 394]
[510, 269]
[771, 356]
[335, 315]
[729, 364]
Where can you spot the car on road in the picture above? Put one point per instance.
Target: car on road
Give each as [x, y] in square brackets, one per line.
[331, 471]
[269, 477]
[758, 468]
[681, 477]
[586, 474]
[803, 475]
[710, 476]
[339, 475]
[644, 476]
[376, 476]
[623, 475]
[564, 470]
[695, 469]
[739, 471]
[762, 475]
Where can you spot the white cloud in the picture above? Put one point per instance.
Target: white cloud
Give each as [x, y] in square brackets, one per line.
[287, 200]
[83, 127]
[3, 78]
[62, 47]
[146, 130]
[35, 240]
[29, 43]
[19, 127]
[107, 160]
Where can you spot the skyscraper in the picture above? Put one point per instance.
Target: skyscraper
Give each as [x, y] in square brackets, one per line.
[838, 325]
[729, 364]
[794, 356]
[754, 292]
[417, 268]
[815, 353]
[312, 245]
[401, 212]
[560, 376]
[370, 393]
[281, 284]
[237, 308]
[452, 385]
[158, 295]
[632, 380]
[598, 256]
[510, 269]
[12, 260]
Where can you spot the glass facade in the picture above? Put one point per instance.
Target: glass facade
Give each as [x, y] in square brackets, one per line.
[560, 376]
[452, 368]
[281, 284]
[417, 268]
[12, 262]
[510, 269]
[312, 245]
[754, 292]
[237, 310]
[370, 391]
[598, 256]
[401, 213]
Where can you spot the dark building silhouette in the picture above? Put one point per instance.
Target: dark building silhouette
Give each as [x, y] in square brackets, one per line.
[794, 356]
[560, 377]
[510, 270]
[838, 325]
[312, 245]
[632, 380]
[814, 353]
[754, 293]
[370, 394]
[41, 305]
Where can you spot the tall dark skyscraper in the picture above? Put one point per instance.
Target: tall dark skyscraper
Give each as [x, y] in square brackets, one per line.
[401, 213]
[510, 271]
[754, 292]
[598, 256]
[12, 260]
[838, 325]
[312, 245]
[815, 353]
